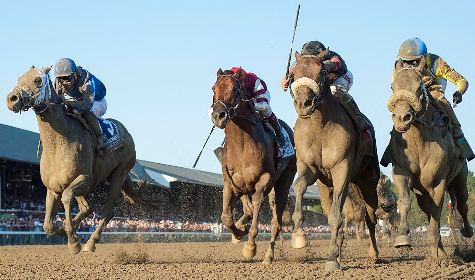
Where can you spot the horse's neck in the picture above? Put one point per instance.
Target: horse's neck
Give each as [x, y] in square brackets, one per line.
[330, 111]
[56, 129]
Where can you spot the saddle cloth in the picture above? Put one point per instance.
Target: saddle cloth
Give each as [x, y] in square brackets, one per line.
[111, 133]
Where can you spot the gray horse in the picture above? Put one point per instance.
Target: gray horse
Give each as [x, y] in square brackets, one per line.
[424, 157]
[69, 166]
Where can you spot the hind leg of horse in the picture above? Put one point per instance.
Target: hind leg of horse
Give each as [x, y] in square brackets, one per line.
[360, 230]
[280, 194]
[249, 249]
[53, 203]
[403, 184]
[459, 185]
[117, 179]
[367, 185]
[340, 187]
[305, 178]
[79, 186]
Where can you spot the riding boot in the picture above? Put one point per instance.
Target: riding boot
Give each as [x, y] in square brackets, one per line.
[96, 128]
[284, 146]
[360, 118]
[457, 132]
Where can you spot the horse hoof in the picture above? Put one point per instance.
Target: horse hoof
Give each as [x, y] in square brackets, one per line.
[332, 266]
[402, 241]
[74, 248]
[298, 240]
[267, 262]
[89, 247]
[234, 240]
[248, 251]
[467, 231]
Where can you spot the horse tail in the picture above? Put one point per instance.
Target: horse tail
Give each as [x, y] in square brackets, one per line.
[135, 195]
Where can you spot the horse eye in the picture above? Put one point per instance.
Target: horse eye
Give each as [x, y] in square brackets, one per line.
[38, 81]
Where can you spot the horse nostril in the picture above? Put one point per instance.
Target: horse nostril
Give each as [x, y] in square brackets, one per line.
[407, 117]
[308, 103]
[14, 98]
[222, 115]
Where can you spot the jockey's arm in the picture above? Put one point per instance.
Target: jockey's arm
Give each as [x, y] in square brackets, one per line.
[443, 70]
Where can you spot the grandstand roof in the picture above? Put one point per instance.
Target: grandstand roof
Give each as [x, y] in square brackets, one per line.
[20, 145]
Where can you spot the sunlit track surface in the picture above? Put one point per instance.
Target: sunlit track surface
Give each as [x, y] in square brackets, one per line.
[222, 260]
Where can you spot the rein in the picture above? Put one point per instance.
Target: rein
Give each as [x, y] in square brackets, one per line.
[231, 109]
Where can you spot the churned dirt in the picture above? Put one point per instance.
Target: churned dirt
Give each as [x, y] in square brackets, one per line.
[223, 261]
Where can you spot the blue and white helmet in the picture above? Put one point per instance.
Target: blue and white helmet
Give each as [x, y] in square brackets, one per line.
[412, 49]
[64, 67]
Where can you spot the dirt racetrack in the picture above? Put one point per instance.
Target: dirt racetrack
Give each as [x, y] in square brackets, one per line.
[223, 261]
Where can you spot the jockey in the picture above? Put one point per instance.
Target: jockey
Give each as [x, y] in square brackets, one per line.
[435, 74]
[83, 92]
[340, 77]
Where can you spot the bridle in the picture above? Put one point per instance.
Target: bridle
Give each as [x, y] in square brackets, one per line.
[39, 100]
[424, 97]
[239, 98]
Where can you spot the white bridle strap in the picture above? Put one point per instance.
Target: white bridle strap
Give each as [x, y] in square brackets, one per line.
[44, 93]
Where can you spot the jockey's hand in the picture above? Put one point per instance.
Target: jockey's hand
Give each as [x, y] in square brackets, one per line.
[457, 97]
[284, 83]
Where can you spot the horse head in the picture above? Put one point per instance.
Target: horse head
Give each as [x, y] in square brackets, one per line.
[33, 90]
[310, 83]
[228, 95]
[409, 99]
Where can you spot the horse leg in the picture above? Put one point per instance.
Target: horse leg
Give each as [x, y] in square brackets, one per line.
[249, 249]
[229, 198]
[402, 180]
[245, 218]
[53, 203]
[79, 186]
[340, 187]
[117, 180]
[84, 211]
[360, 230]
[459, 185]
[305, 178]
[367, 185]
[435, 204]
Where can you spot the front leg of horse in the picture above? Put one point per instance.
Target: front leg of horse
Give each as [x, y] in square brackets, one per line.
[435, 207]
[53, 203]
[249, 249]
[340, 186]
[403, 183]
[306, 178]
[78, 187]
[229, 198]
[245, 218]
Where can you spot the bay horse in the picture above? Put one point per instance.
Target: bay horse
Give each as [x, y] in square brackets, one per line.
[249, 161]
[425, 158]
[69, 165]
[330, 149]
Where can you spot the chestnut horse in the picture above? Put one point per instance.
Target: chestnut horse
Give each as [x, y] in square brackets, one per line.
[249, 161]
[330, 149]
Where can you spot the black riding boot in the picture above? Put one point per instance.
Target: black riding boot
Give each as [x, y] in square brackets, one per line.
[96, 128]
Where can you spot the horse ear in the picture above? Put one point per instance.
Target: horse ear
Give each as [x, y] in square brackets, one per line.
[220, 72]
[32, 66]
[399, 64]
[297, 56]
[47, 69]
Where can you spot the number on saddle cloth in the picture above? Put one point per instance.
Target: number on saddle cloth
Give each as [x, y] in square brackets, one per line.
[111, 133]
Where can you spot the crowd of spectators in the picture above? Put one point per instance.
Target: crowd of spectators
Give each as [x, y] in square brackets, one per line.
[31, 223]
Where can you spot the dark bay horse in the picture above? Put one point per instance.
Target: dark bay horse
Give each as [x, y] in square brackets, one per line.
[249, 161]
[330, 149]
[69, 165]
[425, 157]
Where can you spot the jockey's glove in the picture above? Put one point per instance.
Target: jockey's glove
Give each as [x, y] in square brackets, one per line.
[457, 97]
